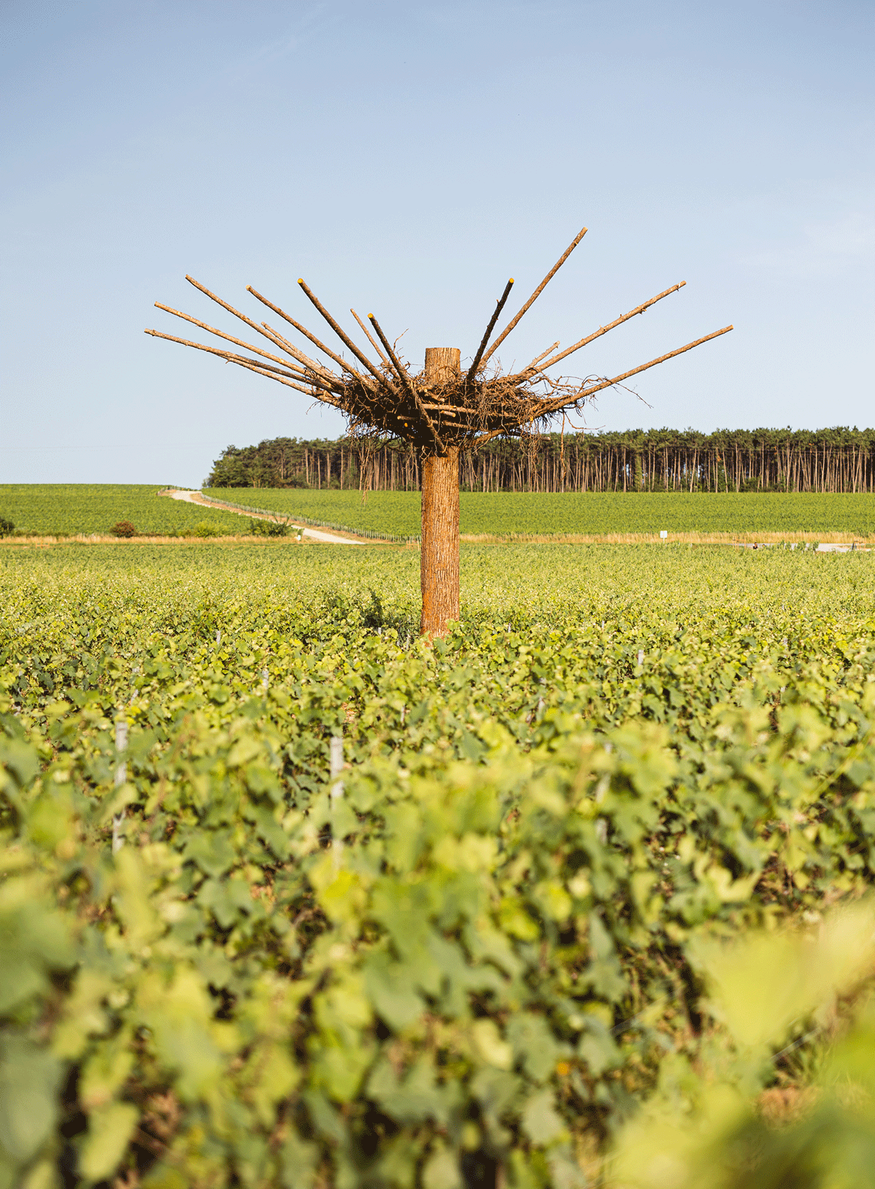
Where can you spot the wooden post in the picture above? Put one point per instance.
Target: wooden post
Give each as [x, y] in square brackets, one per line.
[335, 793]
[121, 775]
[439, 567]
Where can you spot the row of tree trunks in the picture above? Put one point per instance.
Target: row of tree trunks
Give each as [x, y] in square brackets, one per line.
[573, 463]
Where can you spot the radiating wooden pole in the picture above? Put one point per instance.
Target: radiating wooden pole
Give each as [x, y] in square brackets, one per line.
[439, 565]
[645, 305]
[370, 338]
[499, 306]
[543, 285]
[548, 406]
[407, 383]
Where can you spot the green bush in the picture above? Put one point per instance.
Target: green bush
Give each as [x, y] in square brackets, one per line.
[205, 529]
[269, 528]
[7, 528]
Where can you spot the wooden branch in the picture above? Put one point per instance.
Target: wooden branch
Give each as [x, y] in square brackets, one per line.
[399, 371]
[219, 333]
[370, 338]
[230, 357]
[341, 334]
[563, 402]
[303, 330]
[483, 438]
[499, 306]
[543, 285]
[302, 358]
[231, 310]
[610, 326]
[536, 360]
[254, 365]
[291, 373]
[559, 401]
[406, 381]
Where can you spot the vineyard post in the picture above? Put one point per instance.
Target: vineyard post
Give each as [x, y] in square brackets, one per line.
[121, 775]
[335, 793]
[439, 560]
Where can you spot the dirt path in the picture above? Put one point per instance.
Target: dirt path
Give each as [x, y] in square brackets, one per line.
[195, 497]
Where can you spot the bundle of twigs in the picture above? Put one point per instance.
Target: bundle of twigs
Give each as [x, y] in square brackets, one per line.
[462, 410]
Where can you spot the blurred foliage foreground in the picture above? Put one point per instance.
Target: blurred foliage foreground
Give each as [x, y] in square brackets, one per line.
[587, 904]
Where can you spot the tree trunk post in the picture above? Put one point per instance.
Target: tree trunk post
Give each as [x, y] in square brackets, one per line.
[439, 566]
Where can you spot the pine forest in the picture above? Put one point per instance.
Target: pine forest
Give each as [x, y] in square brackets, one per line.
[823, 460]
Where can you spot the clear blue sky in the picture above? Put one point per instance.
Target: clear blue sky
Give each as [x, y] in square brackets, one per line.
[407, 158]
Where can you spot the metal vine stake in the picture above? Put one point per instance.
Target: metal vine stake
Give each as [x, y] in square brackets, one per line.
[439, 411]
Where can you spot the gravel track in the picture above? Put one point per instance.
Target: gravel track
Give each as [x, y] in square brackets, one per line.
[195, 497]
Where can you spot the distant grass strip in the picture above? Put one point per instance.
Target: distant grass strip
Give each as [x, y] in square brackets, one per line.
[711, 516]
[71, 509]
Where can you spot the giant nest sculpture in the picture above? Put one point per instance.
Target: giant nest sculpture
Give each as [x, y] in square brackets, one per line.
[439, 411]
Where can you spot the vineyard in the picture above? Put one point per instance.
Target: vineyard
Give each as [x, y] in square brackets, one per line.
[488, 949]
[503, 514]
[84, 508]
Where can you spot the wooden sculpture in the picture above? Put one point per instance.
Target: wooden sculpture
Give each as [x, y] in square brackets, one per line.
[439, 411]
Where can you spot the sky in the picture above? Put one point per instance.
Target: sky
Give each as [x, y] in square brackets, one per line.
[407, 159]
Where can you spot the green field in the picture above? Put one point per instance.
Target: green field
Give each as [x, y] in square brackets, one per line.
[490, 948]
[94, 508]
[396, 513]
[73, 508]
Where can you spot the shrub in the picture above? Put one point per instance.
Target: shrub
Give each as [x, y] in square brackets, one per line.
[7, 528]
[124, 528]
[268, 528]
[204, 529]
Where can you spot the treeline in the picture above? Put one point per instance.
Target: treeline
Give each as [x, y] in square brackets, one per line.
[288, 462]
[824, 460]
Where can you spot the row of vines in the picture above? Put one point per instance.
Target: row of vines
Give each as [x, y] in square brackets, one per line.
[86, 509]
[396, 514]
[472, 954]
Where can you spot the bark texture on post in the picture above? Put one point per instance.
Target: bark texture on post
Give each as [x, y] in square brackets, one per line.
[439, 567]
